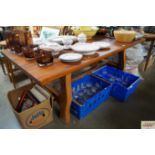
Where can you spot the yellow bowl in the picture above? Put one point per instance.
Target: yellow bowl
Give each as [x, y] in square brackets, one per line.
[88, 33]
[124, 36]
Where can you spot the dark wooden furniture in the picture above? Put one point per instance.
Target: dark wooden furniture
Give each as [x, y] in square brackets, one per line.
[149, 37]
[2, 62]
[14, 40]
[63, 71]
[2, 58]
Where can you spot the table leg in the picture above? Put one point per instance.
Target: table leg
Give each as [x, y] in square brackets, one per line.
[65, 98]
[149, 54]
[3, 65]
[10, 72]
[8, 69]
[53, 91]
[122, 60]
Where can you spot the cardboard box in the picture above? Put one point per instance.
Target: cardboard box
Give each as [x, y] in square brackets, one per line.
[35, 117]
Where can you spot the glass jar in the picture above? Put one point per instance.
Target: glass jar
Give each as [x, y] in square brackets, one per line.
[9, 37]
[18, 48]
[43, 57]
[29, 51]
[16, 43]
[28, 38]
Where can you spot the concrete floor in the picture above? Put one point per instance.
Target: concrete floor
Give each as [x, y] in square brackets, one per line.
[110, 115]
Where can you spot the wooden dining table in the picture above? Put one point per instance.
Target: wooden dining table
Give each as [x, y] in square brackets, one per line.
[64, 71]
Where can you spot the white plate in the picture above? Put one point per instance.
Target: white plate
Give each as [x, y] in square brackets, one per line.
[45, 47]
[89, 53]
[59, 39]
[85, 48]
[102, 44]
[51, 43]
[37, 41]
[70, 57]
[52, 47]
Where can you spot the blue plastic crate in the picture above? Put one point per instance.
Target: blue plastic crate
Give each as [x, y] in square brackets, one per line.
[91, 103]
[123, 84]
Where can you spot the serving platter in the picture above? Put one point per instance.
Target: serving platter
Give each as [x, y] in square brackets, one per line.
[102, 44]
[85, 48]
[70, 57]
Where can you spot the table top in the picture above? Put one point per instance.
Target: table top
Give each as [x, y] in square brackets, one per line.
[149, 36]
[44, 75]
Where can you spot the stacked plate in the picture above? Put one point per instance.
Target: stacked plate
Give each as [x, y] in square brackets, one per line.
[85, 48]
[48, 46]
[102, 44]
[37, 41]
[55, 48]
[70, 57]
[59, 39]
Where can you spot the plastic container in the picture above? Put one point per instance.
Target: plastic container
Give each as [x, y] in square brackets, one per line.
[81, 110]
[123, 84]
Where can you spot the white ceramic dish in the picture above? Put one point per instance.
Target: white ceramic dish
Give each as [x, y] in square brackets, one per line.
[55, 48]
[82, 38]
[59, 39]
[51, 43]
[89, 53]
[37, 41]
[45, 47]
[139, 35]
[84, 48]
[102, 44]
[70, 57]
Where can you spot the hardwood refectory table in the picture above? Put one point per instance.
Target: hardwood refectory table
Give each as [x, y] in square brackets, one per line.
[63, 71]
